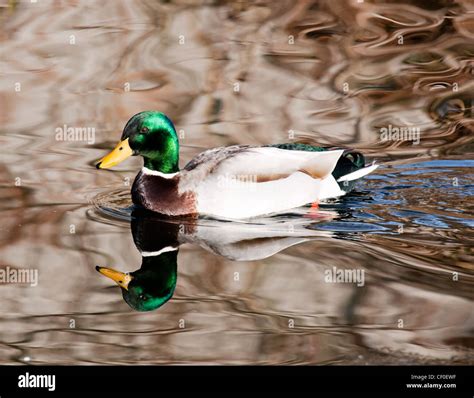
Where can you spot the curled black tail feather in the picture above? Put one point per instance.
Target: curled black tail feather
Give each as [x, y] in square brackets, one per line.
[349, 162]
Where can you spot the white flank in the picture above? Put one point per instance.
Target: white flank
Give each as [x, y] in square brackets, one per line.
[157, 253]
[267, 180]
[150, 172]
[358, 174]
[222, 198]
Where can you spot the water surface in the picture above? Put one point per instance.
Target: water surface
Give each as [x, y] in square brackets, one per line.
[326, 72]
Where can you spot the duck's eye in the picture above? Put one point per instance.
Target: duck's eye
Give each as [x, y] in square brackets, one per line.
[142, 297]
[144, 130]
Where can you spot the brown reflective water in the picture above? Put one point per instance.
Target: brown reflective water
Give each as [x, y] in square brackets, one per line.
[327, 72]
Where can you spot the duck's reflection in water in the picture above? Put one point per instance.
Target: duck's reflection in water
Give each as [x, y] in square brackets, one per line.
[158, 241]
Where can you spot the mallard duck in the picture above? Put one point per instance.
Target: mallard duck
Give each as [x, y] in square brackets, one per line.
[233, 182]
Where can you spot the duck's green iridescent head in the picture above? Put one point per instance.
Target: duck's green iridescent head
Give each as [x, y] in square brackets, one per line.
[150, 134]
[149, 287]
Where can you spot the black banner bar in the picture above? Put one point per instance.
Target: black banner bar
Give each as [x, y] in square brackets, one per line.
[449, 381]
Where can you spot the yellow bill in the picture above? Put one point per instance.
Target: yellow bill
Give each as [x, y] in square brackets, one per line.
[121, 278]
[121, 152]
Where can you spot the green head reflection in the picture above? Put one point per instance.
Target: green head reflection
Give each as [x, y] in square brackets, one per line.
[151, 286]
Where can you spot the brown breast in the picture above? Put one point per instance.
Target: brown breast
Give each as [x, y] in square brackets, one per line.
[161, 195]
